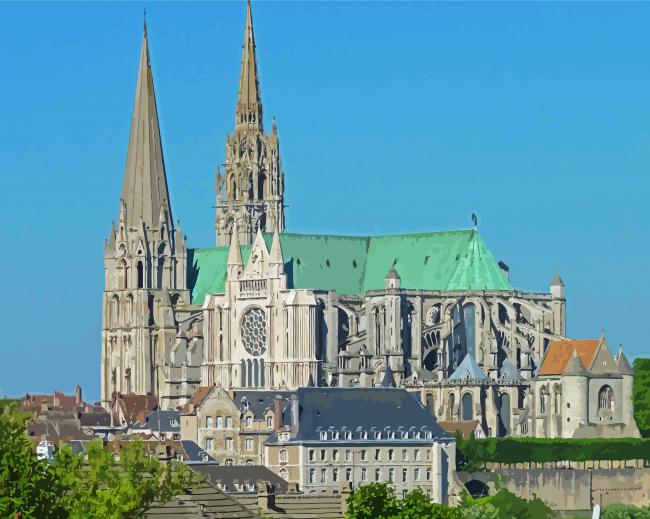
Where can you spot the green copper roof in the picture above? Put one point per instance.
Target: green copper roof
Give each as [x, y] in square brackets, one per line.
[452, 260]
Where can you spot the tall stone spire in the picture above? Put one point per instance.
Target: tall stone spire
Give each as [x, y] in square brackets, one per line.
[251, 191]
[145, 184]
[249, 105]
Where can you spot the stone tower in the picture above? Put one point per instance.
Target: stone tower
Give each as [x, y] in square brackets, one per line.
[145, 259]
[251, 190]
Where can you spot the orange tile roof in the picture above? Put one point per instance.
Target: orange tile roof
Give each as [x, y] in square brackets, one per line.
[464, 427]
[559, 353]
[200, 394]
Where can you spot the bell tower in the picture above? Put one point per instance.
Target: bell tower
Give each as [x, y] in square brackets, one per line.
[145, 260]
[250, 193]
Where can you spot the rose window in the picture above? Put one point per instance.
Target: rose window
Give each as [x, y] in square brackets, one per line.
[253, 331]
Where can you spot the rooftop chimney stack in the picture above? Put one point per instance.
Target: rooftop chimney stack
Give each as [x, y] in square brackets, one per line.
[277, 413]
[78, 395]
[295, 410]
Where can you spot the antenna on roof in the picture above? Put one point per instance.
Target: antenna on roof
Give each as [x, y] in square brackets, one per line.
[475, 220]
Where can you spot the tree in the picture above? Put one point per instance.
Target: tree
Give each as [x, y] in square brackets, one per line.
[97, 485]
[507, 506]
[28, 487]
[641, 395]
[415, 505]
[372, 501]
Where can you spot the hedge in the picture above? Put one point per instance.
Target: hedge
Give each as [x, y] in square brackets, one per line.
[641, 395]
[474, 453]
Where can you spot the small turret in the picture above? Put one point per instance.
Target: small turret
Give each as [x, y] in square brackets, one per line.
[392, 279]
[557, 287]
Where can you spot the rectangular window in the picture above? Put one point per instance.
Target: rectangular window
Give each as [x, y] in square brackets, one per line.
[363, 455]
[348, 474]
[269, 422]
[249, 422]
[323, 475]
[377, 474]
[428, 451]
[348, 455]
[335, 475]
[416, 474]
[335, 455]
[405, 455]
[209, 444]
[228, 444]
[249, 444]
[416, 454]
[391, 475]
[404, 475]
[311, 454]
[312, 475]
[364, 475]
[323, 454]
[428, 474]
[228, 422]
[219, 422]
[208, 422]
[377, 454]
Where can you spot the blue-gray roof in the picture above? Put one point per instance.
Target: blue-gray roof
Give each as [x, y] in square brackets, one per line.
[162, 421]
[258, 401]
[468, 369]
[194, 452]
[362, 409]
[509, 371]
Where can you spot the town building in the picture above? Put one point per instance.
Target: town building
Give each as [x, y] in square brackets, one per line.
[330, 436]
[273, 310]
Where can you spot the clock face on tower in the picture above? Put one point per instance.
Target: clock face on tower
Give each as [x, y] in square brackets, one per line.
[253, 331]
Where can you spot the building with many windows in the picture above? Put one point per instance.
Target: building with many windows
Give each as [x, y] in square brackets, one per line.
[330, 436]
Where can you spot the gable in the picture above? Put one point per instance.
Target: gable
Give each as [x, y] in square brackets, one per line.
[452, 260]
[603, 363]
[559, 353]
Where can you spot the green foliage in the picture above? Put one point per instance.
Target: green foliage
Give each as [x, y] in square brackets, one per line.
[378, 501]
[475, 453]
[625, 512]
[641, 395]
[372, 501]
[76, 487]
[28, 487]
[468, 454]
[504, 505]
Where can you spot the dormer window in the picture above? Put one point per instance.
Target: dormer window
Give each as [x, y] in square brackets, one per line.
[323, 435]
[283, 436]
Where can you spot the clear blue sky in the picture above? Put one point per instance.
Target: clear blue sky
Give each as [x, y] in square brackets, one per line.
[393, 117]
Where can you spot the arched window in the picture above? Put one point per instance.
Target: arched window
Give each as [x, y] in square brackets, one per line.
[129, 308]
[261, 372]
[431, 403]
[115, 309]
[261, 186]
[557, 400]
[543, 400]
[243, 373]
[256, 373]
[140, 275]
[606, 398]
[284, 456]
[450, 409]
[284, 474]
[124, 274]
[249, 373]
[161, 272]
[467, 402]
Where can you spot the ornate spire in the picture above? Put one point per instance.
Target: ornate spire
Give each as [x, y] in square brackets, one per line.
[145, 184]
[249, 105]
[234, 254]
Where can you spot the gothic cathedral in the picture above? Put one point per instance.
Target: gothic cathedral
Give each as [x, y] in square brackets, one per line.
[269, 309]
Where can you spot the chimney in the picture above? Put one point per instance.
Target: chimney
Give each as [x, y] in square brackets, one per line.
[295, 410]
[78, 394]
[277, 413]
[265, 496]
[55, 400]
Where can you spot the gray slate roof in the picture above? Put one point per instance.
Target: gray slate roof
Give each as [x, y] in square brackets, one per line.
[163, 421]
[258, 401]
[195, 453]
[359, 408]
[509, 371]
[468, 369]
[230, 476]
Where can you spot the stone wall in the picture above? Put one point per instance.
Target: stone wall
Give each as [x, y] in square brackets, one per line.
[571, 489]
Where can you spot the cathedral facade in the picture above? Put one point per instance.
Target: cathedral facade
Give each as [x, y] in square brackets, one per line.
[269, 309]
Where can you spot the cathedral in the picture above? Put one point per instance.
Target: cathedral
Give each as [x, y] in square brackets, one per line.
[268, 309]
